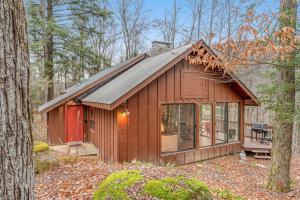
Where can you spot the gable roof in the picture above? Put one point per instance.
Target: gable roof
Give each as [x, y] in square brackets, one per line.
[129, 80]
[113, 86]
[96, 80]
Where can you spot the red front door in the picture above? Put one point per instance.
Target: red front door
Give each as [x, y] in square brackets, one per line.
[74, 123]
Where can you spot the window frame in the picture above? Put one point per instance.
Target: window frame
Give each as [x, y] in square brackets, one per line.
[199, 124]
[195, 142]
[239, 121]
[227, 125]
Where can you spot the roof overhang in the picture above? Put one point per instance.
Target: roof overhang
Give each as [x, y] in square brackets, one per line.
[67, 97]
[250, 98]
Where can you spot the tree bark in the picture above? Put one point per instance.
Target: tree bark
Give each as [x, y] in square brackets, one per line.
[48, 65]
[279, 177]
[16, 162]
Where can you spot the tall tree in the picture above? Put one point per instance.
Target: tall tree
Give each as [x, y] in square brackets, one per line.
[85, 58]
[62, 45]
[133, 23]
[211, 20]
[279, 178]
[16, 166]
[168, 26]
[195, 7]
[49, 45]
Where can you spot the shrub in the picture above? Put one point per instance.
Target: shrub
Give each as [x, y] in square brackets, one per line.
[41, 166]
[177, 188]
[114, 186]
[40, 146]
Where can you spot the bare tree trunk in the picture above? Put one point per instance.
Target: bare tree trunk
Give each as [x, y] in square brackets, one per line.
[131, 16]
[279, 178]
[48, 65]
[199, 19]
[195, 7]
[212, 15]
[16, 162]
[174, 22]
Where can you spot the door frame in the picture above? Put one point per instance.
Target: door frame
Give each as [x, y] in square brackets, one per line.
[66, 122]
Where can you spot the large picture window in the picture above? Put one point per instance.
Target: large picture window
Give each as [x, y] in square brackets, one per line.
[177, 127]
[205, 138]
[227, 122]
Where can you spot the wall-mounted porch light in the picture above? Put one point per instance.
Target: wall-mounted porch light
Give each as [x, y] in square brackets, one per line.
[125, 112]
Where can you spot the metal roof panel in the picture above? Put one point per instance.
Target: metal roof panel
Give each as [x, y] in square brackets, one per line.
[120, 85]
[80, 88]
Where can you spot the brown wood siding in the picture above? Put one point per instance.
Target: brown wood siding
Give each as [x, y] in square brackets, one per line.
[201, 154]
[56, 125]
[139, 132]
[105, 135]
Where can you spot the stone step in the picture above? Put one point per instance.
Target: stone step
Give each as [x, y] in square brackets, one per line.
[263, 157]
[261, 151]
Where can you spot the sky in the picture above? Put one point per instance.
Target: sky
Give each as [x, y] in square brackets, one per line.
[157, 9]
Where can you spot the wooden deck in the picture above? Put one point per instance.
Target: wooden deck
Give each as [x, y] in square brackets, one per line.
[254, 146]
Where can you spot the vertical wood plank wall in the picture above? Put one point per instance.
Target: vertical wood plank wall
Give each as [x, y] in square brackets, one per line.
[105, 136]
[139, 132]
[56, 125]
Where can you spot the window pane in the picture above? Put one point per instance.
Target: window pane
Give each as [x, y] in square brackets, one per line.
[233, 122]
[205, 138]
[92, 119]
[91, 113]
[177, 127]
[187, 126]
[169, 128]
[221, 125]
[92, 124]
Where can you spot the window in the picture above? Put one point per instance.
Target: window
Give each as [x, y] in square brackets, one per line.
[205, 138]
[92, 119]
[177, 127]
[221, 123]
[233, 122]
[227, 122]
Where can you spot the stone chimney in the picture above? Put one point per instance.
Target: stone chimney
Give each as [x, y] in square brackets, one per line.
[159, 47]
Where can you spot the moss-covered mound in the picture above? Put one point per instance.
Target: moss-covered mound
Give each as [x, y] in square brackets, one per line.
[40, 146]
[130, 184]
[177, 188]
[114, 186]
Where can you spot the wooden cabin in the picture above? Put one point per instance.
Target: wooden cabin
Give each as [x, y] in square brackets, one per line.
[156, 107]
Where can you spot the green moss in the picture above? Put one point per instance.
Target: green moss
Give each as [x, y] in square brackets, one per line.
[226, 194]
[177, 188]
[199, 188]
[114, 186]
[41, 166]
[40, 146]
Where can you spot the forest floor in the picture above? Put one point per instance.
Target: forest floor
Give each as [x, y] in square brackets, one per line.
[78, 178]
